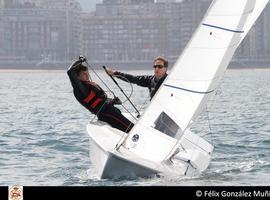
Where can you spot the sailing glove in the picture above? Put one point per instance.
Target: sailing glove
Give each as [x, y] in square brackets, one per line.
[82, 58]
[115, 101]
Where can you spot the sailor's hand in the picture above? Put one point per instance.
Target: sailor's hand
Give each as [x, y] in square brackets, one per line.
[116, 101]
[109, 71]
[82, 58]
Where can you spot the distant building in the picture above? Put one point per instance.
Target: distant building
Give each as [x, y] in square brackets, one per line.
[2, 4]
[6, 3]
[1, 27]
[255, 48]
[37, 32]
[140, 30]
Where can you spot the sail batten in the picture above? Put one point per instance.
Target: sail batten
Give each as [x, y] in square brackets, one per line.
[187, 90]
[223, 28]
[194, 77]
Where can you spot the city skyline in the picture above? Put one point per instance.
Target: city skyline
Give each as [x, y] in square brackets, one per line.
[116, 31]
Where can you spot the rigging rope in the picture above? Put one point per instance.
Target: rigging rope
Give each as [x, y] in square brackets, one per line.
[122, 91]
[109, 90]
[126, 80]
[124, 137]
[99, 78]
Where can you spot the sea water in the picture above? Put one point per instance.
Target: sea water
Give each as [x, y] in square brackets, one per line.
[43, 138]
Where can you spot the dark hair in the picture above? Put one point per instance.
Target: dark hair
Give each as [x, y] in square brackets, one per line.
[80, 68]
[166, 62]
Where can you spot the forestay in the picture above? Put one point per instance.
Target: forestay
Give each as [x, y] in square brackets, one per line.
[193, 79]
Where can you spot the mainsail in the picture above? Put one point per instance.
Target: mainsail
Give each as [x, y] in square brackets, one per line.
[193, 79]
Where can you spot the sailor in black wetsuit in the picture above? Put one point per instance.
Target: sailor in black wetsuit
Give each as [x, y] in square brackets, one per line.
[94, 99]
[152, 82]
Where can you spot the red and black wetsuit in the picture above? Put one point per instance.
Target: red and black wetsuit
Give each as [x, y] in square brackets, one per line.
[94, 99]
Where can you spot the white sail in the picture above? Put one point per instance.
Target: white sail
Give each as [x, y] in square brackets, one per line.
[193, 79]
[258, 8]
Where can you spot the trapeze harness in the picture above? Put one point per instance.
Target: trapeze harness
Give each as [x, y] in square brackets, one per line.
[95, 99]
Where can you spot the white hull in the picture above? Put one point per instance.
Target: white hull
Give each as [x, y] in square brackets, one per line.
[110, 163]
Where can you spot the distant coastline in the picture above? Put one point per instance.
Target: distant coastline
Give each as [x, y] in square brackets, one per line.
[144, 65]
[41, 70]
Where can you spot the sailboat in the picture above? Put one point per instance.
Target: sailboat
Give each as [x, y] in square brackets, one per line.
[161, 140]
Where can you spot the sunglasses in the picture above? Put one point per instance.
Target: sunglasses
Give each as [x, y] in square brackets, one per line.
[158, 66]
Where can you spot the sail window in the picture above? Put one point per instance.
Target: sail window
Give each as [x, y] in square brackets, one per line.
[166, 125]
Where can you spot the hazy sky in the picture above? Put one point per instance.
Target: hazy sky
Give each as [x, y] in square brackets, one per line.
[89, 4]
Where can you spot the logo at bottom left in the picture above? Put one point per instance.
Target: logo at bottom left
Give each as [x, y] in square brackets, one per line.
[15, 192]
